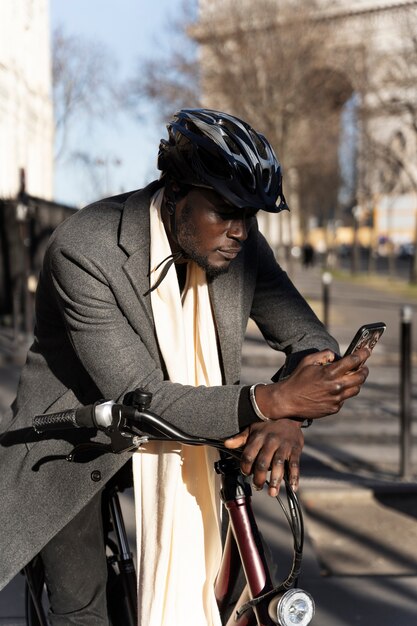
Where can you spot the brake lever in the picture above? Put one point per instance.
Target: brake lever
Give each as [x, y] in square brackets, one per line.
[122, 439]
[86, 449]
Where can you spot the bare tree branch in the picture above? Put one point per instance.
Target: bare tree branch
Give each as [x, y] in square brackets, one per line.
[83, 84]
[270, 66]
[169, 80]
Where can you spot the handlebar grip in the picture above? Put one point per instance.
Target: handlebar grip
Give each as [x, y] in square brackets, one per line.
[70, 418]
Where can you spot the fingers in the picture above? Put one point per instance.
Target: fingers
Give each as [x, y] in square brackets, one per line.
[277, 472]
[317, 387]
[352, 362]
[267, 448]
[249, 456]
[344, 378]
[350, 384]
[324, 357]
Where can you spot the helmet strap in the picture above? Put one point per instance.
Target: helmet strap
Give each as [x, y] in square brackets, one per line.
[174, 192]
[171, 207]
[171, 198]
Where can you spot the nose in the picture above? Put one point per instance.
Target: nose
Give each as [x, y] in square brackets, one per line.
[238, 230]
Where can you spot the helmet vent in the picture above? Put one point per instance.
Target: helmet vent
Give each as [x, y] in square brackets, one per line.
[193, 128]
[246, 177]
[259, 144]
[228, 125]
[213, 164]
[266, 178]
[231, 145]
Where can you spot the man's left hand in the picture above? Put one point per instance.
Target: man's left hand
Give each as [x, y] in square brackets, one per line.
[267, 445]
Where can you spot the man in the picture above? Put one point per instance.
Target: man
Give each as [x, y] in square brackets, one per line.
[154, 289]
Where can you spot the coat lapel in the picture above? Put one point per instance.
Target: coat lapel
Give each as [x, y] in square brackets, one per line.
[134, 239]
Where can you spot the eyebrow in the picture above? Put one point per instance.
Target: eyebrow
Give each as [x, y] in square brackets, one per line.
[229, 209]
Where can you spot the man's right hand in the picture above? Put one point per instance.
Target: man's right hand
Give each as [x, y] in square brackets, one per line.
[318, 386]
[268, 445]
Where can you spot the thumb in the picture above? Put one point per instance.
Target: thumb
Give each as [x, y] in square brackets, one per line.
[237, 441]
[324, 357]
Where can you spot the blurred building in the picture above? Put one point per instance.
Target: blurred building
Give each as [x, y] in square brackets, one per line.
[26, 120]
[336, 97]
[27, 212]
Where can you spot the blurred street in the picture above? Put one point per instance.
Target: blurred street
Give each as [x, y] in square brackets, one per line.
[360, 559]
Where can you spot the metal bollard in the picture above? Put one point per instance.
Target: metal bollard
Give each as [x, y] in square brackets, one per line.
[326, 280]
[406, 390]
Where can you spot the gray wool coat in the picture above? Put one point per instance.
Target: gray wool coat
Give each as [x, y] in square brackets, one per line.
[95, 338]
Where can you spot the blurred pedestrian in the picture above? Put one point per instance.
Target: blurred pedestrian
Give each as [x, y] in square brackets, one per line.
[308, 255]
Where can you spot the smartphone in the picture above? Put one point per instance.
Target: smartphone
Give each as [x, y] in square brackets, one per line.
[368, 335]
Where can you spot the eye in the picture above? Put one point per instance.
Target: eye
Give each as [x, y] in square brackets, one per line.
[236, 214]
[228, 215]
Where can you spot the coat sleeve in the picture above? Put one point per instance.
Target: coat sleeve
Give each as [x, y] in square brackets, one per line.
[282, 314]
[115, 356]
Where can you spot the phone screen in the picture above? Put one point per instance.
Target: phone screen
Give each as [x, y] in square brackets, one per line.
[367, 336]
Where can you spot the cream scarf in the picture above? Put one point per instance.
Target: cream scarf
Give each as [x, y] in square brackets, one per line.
[176, 498]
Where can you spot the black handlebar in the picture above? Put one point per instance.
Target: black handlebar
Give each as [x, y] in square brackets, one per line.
[110, 417]
[69, 418]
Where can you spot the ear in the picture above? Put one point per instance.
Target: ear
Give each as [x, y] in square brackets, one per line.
[169, 201]
[170, 206]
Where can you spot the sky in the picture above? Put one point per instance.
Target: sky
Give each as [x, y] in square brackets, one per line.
[129, 29]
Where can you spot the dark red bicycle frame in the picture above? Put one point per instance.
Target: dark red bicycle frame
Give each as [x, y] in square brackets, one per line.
[243, 548]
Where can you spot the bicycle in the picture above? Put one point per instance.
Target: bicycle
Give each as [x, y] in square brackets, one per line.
[131, 425]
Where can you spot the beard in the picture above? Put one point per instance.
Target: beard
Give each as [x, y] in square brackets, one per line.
[212, 271]
[187, 239]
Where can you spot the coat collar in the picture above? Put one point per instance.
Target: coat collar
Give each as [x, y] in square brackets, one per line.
[134, 228]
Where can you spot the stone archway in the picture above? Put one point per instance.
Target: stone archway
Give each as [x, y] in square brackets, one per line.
[321, 126]
[361, 38]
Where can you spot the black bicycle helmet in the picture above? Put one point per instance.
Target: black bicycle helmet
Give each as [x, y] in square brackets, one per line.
[207, 148]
